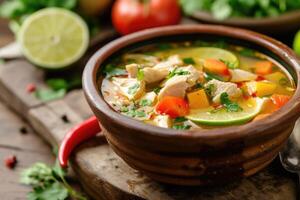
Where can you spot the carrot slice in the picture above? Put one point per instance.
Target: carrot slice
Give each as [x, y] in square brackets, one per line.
[173, 106]
[216, 66]
[263, 67]
[280, 100]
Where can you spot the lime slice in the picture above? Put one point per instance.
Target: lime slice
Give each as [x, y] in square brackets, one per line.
[297, 43]
[222, 117]
[201, 53]
[53, 38]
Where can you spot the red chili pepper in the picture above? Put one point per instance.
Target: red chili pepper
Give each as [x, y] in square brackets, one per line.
[76, 136]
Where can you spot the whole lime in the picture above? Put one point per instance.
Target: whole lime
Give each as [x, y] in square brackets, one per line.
[297, 43]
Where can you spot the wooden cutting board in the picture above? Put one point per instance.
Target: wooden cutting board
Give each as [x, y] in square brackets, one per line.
[102, 173]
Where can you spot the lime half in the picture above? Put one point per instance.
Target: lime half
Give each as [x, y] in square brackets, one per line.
[222, 117]
[53, 38]
[296, 45]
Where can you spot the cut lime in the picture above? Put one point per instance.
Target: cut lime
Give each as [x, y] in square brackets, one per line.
[297, 43]
[53, 38]
[202, 53]
[211, 117]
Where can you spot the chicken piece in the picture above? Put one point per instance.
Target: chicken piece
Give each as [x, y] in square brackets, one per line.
[176, 86]
[171, 62]
[220, 87]
[193, 74]
[163, 121]
[132, 70]
[239, 75]
[130, 87]
[152, 75]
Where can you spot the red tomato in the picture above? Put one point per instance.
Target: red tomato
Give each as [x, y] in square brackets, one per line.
[129, 16]
[173, 106]
[216, 66]
[280, 100]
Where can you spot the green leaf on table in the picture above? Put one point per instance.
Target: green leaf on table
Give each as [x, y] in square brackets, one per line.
[50, 94]
[52, 191]
[2, 61]
[36, 174]
[57, 83]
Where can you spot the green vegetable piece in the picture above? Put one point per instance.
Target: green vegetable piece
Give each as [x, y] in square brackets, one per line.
[177, 72]
[179, 119]
[189, 61]
[57, 83]
[230, 65]
[209, 76]
[133, 89]
[49, 94]
[181, 127]
[210, 89]
[145, 102]
[53, 191]
[156, 90]
[229, 105]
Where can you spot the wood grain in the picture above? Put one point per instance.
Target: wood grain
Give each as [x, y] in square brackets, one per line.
[103, 174]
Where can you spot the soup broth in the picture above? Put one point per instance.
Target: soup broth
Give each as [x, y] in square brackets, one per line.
[192, 85]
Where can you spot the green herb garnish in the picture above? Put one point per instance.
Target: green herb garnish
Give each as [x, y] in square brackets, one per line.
[210, 89]
[210, 76]
[230, 65]
[49, 94]
[189, 61]
[228, 104]
[181, 127]
[156, 90]
[140, 74]
[145, 102]
[179, 119]
[177, 72]
[48, 183]
[133, 89]
[111, 70]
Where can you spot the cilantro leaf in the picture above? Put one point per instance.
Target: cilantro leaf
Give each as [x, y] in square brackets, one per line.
[156, 90]
[39, 172]
[49, 94]
[177, 72]
[111, 70]
[230, 65]
[209, 76]
[53, 191]
[229, 105]
[209, 89]
[181, 127]
[133, 89]
[179, 119]
[145, 102]
[189, 61]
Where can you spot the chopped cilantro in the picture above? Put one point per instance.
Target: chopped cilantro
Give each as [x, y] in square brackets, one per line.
[230, 65]
[145, 102]
[210, 89]
[177, 72]
[111, 70]
[247, 52]
[189, 61]
[156, 90]
[181, 127]
[198, 86]
[179, 119]
[140, 113]
[210, 76]
[229, 105]
[133, 89]
[140, 74]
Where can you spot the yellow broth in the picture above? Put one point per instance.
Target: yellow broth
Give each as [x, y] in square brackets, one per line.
[190, 86]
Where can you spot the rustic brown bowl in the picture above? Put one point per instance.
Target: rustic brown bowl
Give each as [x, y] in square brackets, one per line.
[282, 24]
[194, 157]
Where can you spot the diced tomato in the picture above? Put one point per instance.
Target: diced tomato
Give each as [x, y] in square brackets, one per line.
[263, 67]
[280, 100]
[260, 78]
[173, 106]
[216, 66]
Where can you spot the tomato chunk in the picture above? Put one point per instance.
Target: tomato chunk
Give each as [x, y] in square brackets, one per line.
[280, 100]
[263, 67]
[173, 106]
[216, 66]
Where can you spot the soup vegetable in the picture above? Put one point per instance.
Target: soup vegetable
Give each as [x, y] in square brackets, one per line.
[192, 85]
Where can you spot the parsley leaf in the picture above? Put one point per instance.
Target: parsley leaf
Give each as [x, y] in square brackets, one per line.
[229, 105]
[133, 89]
[53, 191]
[145, 102]
[181, 127]
[156, 90]
[111, 70]
[210, 89]
[189, 61]
[179, 119]
[230, 65]
[140, 74]
[177, 72]
[49, 94]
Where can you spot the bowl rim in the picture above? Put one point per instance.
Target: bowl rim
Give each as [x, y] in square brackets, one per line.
[291, 111]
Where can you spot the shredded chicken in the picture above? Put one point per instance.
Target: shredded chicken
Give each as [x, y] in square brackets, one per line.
[176, 86]
[130, 87]
[220, 87]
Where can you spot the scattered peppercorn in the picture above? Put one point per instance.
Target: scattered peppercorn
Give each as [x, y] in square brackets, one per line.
[30, 88]
[10, 161]
[23, 130]
[65, 119]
